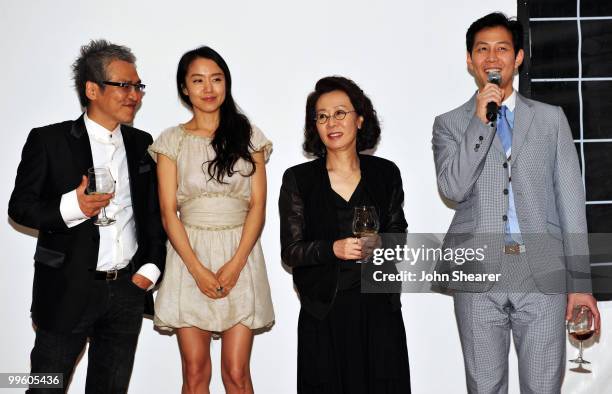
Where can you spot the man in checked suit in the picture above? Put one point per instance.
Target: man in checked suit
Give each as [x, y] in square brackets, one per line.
[519, 196]
[92, 282]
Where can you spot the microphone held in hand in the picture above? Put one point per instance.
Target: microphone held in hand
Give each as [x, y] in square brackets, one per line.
[494, 77]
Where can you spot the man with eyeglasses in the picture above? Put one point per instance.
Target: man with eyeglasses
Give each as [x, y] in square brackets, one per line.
[92, 282]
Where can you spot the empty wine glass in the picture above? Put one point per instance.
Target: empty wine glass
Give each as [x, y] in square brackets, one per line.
[100, 181]
[581, 327]
[365, 223]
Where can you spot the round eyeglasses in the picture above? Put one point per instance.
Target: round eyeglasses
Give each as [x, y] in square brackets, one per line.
[340, 114]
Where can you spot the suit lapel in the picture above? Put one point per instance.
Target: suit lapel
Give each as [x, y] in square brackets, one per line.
[374, 186]
[326, 198]
[130, 152]
[131, 155]
[470, 108]
[78, 141]
[132, 164]
[523, 116]
[82, 158]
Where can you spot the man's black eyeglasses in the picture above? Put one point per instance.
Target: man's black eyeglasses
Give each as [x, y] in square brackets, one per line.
[127, 86]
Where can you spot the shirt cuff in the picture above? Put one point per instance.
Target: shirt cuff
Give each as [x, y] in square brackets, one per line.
[70, 210]
[151, 272]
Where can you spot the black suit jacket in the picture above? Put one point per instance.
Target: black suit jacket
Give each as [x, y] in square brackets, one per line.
[308, 222]
[53, 160]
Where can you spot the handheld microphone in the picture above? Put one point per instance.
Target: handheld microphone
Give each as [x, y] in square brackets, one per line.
[494, 77]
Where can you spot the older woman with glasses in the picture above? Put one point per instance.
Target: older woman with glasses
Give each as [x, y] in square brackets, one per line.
[348, 341]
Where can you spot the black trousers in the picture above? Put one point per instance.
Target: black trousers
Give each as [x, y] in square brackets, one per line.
[111, 322]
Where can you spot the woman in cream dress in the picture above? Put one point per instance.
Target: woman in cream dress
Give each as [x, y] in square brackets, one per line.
[212, 185]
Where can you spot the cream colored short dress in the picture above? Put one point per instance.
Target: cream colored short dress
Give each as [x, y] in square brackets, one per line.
[213, 214]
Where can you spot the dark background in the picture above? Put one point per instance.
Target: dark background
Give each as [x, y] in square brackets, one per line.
[568, 43]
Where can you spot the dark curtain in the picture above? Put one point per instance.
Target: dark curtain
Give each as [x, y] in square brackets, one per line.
[568, 48]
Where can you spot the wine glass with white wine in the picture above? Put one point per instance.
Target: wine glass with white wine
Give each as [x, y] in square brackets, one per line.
[365, 223]
[581, 327]
[100, 181]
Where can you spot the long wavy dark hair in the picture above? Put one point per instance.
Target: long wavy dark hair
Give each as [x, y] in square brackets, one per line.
[369, 135]
[233, 136]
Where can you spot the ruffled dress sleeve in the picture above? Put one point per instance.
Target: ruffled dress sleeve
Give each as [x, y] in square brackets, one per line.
[167, 144]
[259, 143]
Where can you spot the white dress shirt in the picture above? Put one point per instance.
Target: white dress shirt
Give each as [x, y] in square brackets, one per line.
[510, 101]
[118, 242]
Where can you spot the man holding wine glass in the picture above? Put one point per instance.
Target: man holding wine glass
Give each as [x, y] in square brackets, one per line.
[89, 187]
[510, 165]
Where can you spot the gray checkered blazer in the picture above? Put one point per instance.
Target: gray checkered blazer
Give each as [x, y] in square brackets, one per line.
[473, 172]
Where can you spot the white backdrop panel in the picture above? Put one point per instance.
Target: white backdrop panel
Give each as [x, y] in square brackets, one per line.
[408, 56]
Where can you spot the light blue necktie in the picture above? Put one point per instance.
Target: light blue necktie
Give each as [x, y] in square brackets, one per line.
[504, 131]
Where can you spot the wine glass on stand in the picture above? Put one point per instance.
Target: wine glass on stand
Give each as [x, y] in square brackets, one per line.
[100, 181]
[581, 327]
[365, 223]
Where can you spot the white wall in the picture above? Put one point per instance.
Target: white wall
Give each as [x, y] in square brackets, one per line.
[408, 56]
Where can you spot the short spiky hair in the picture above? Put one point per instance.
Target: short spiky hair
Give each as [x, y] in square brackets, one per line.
[92, 62]
[495, 19]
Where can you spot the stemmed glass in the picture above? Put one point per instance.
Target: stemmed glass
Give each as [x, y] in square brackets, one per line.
[581, 327]
[365, 223]
[100, 181]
